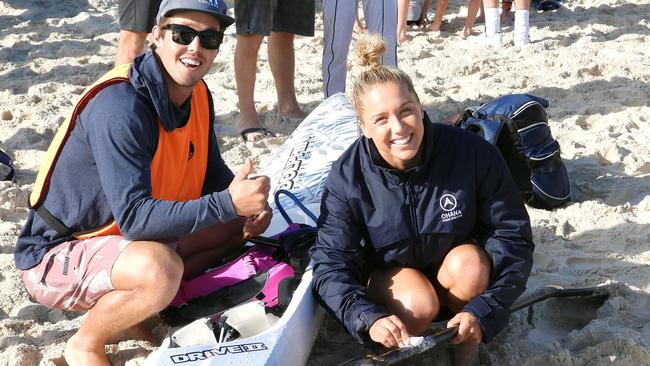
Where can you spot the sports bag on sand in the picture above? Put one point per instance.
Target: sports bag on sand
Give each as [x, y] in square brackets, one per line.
[518, 125]
[544, 5]
[7, 170]
[268, 270]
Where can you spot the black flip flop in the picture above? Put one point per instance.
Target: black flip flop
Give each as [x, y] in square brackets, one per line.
[261, 130]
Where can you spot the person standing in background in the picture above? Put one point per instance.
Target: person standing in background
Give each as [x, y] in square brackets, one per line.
[441, 8]
[137, 18]
[338, 23]
[280, 20]
[410, 12]
[402, 15]
[492, 34]
[476, 6]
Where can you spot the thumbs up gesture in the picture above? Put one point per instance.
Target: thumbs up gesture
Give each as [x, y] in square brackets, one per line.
[249, 195]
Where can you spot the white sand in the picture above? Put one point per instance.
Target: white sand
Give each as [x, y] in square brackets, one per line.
[590, 59]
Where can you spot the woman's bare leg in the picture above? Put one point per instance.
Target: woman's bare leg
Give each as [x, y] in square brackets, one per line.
[406, 293]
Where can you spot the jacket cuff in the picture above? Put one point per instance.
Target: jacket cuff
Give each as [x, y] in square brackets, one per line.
[492, 317]
[224, 201]
[364, 320]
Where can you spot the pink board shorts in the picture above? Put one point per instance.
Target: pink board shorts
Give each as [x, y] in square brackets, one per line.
[75, 274]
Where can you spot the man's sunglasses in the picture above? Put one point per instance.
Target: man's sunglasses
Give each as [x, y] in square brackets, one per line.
[182, 34]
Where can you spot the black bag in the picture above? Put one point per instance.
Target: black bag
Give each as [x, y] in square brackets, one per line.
[7, 170]
[518, 125]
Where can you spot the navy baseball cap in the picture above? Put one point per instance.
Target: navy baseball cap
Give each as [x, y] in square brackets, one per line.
[218, 8]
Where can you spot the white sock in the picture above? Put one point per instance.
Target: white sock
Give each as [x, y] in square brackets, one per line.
[521, 23]
[492, 21]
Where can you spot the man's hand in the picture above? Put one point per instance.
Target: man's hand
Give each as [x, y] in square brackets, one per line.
[249, 196]
[389, 331]
[256, 225]
[469, 329]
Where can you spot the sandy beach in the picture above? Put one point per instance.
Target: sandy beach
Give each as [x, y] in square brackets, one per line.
[589, 58]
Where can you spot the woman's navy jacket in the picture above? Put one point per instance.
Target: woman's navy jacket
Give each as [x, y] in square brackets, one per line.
[372, 215]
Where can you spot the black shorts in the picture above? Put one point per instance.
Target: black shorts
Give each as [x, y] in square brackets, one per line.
[138, 15]
[266, 16]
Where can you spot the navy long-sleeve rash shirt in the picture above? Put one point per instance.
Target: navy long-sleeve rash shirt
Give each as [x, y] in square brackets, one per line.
[103, 170]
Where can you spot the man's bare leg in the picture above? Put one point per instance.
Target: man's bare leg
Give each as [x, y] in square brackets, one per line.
[402, 14]
[130, 45]
[141, 332]
[424, 18]
[441, 7]
[473, 8]
[146, 277]
[282, 62]
[206, 248]
[245, 71]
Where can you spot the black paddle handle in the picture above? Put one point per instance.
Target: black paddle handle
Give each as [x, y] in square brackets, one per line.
[554, 291]
[398, 354]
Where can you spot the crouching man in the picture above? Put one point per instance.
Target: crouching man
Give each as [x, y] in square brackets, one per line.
[133, 194]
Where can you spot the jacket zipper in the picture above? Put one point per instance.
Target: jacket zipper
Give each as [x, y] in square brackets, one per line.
[415, 231]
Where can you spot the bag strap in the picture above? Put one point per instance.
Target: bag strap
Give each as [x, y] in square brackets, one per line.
[54, 223]
[296, 201]
[296, 240]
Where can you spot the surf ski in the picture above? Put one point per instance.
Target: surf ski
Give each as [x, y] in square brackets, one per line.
[259, 337]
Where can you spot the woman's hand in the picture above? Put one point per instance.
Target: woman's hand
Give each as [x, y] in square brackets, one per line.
[469, 329]
[389, 331]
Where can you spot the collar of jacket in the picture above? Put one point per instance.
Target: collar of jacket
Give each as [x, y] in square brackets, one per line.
[147, 78]
[428, 141]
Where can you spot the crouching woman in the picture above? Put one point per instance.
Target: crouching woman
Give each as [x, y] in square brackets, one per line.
[416, 218]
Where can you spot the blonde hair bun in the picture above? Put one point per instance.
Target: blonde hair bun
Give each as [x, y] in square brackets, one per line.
[368, 52]
[367, 70]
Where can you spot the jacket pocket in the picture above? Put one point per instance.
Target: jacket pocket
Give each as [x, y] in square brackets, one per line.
[392, 244]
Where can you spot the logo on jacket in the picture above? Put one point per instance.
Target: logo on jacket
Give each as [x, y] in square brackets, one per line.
[191, 153]
[448, 203]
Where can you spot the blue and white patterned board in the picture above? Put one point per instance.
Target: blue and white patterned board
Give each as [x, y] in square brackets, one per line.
[301, 166]
[305, 158]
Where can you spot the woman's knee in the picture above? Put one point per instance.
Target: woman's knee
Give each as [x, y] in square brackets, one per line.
[419, 311]
[468, 267]
[407, 293]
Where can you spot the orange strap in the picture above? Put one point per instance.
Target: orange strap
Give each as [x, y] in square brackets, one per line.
[178, 167]
[41, 186]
